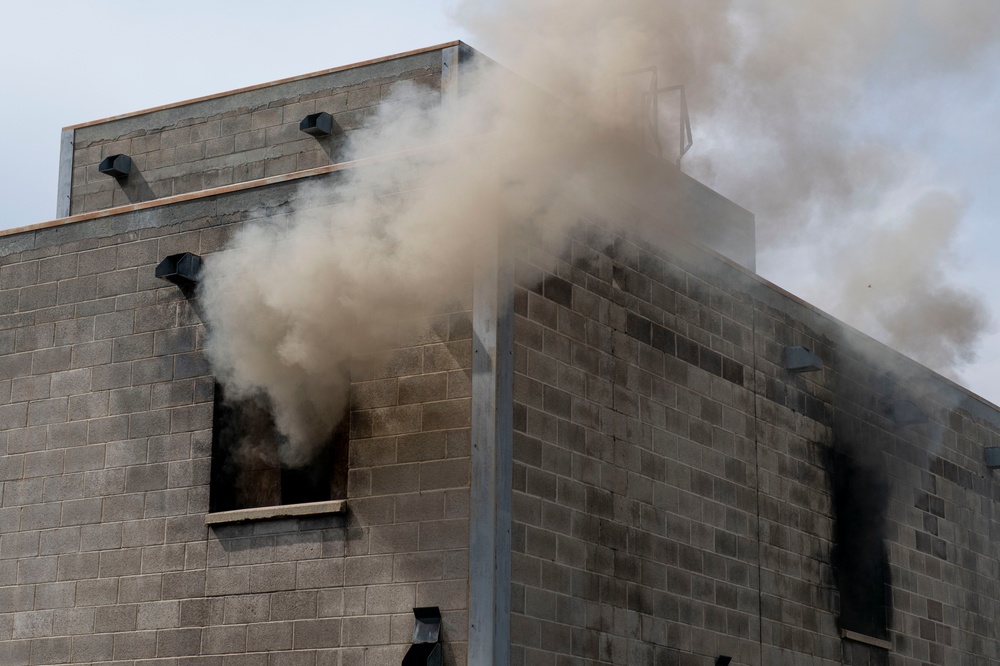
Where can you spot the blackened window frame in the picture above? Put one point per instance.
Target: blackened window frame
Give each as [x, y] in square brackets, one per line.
[322, 479]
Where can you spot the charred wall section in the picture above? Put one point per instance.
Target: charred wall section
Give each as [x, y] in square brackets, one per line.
[635, 474]
[679, 495]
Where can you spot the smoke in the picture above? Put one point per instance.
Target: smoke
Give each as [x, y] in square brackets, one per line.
[293, 301]
[782, 95]
[778, 92]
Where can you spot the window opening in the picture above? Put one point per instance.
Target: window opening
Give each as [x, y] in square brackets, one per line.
[247, 471]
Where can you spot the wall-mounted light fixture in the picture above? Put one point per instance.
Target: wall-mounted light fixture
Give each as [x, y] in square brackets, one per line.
[116, 166]
[993, 457]
[723, 660]
[800, 359]
[426, 648]
[318, 124]
[182, 270]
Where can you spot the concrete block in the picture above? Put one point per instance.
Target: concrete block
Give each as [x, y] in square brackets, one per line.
[37, 297]
[119, 618]
[135, 645]
[178, 642]
[232, 580]
[62, 267]
[81, 511]
[88, 406]
[129, 400]
[293, 605]
[36, 570]
[446, 414]
[149, 424]
[43, 463]
[70, 382]
[247, 609]
[118, 375]
[150, 370]
[96, 592]
[444, 534]
[452, 473]
[184, 584]
[53, 360]
[421, 446]
[78, 566]
[146, 477]
[272, 577]
[97, 261]
[117, 283]
[42, 412]
[224, 639]
[129, 348]
[19, 274]
[30, 388]
[366, 630]
[158, 615]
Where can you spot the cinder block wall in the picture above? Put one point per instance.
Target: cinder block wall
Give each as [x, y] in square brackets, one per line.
[236, 137]
[635, 530]
[672, 493]
[105, 420]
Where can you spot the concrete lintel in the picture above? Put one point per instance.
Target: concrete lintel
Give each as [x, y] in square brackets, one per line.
[275, 512]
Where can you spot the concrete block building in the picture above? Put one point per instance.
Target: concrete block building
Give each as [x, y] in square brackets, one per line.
[631, 451]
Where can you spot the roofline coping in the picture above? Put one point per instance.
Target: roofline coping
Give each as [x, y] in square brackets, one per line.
[259, 86]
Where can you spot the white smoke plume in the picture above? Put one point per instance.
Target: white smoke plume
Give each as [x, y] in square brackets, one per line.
[775, 90]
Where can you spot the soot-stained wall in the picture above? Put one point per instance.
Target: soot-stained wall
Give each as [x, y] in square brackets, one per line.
[679, 495]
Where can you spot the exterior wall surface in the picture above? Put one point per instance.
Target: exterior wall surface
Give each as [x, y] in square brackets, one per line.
[672, 481]
[236, 137]
[105, 555]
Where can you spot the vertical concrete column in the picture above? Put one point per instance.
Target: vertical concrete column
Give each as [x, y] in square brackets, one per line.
[65, 187]
[492, 435]
[449, 72]
[492, 432]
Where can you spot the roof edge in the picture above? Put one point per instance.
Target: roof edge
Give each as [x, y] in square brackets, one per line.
[259, 86]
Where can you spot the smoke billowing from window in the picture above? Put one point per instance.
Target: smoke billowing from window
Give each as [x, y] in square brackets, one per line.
[296, 298]
[776, 91]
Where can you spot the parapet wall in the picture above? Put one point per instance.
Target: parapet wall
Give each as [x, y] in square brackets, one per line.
[235, 137]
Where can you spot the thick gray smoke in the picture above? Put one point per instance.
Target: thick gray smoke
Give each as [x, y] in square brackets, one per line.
[776, 89]
[292, 302]
[779, 92]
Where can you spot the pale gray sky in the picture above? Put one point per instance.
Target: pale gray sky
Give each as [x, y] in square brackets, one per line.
[67, 62]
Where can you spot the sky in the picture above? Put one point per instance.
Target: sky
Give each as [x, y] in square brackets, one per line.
[74, 62]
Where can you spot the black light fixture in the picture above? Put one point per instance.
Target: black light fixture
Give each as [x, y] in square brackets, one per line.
[723, 660]
[182, 270]
[116, 166]
[426, 648]
[318, 124]
[800, 359]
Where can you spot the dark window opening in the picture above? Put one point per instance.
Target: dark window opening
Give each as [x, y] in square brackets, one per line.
[860, 559]
[247, 471]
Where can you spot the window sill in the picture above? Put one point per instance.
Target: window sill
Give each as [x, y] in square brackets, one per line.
[333, 507]
[866, 639]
